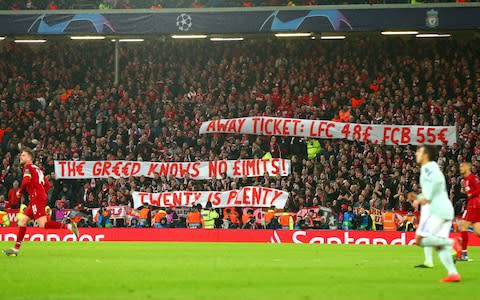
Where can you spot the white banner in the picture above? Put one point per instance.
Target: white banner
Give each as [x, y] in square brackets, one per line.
[250, 196]
[115, 211]
[195, 170]
[377, 134]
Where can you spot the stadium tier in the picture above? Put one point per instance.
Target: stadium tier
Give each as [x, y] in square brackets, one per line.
[59, 98]
[159, 4]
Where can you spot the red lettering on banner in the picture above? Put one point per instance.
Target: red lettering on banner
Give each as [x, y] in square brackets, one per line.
[222, 167]
[71, 168]
[143, 196]
[217, 199]
[250, 165]
[357, 132]
[97, 168]
[420, 135]
[441, 135]
[275, 166]
[177, 198]
[255, 121]
[267, 122]
[276, 196]
[295, 125]
[198, 195]
[164, 169]
[256, 196]
[346, 130]
[211, 126]
[106, 166]
[318, 132]
[245, 197]
[240, 124]
[286, 130]
[394, 131]
[116, 169]
[276, 127]
[152, 169]
[173, 169]
[405, 135]
[330, 126]
[62, 167]
[366, 134]
[232, 195]
[195, 170]
[386, 134]
[236, 168]
[136, 168]
[431, 135]
[212, 169]
[187, 198]
[125, 169]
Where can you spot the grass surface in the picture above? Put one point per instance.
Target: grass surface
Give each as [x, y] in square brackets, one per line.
[227, 271]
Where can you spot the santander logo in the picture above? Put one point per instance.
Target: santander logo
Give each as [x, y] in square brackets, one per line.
[342, 237]
[51, 237]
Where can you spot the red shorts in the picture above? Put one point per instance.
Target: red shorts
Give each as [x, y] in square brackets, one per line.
[36, 209]
[472, 214]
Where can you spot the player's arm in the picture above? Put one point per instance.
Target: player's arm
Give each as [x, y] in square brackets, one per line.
[47, 185]
[474, 188]
[27, 178]
[433, 183]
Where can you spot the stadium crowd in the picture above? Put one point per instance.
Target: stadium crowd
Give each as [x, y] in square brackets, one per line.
[60, 100]
[159, 4]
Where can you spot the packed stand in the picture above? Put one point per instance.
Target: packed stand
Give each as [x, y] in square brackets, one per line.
[59, 99]
[160, 4]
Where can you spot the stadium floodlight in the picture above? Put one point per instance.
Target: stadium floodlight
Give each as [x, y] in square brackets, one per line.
[333, 37]
[293, 34]
[226, 39]
[30, 41]
[130, 40]
[399, 32]
[189, 36]
[433, 35]
[88, 37]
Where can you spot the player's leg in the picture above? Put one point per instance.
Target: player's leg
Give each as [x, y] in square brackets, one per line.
[435, 233]
[427, 251]
[428, 254]
[22, 229]
[464, 234]
[44, 223]
[476, 228]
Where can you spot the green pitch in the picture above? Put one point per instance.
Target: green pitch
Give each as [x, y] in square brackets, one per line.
[227, 271]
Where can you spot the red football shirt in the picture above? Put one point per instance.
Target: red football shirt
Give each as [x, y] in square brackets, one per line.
[34, 182]
[472, 186]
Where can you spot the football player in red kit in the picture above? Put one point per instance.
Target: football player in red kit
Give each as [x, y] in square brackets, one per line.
[37, 187]
[471, 216]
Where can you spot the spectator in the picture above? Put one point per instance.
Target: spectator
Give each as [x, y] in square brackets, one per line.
[194, 218]
[13, 200]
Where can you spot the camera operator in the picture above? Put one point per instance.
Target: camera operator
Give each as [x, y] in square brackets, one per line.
[249, 220]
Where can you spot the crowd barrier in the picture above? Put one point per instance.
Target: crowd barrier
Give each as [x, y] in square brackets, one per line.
[221, 235]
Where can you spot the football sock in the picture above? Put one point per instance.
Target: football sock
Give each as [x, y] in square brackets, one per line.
[445, 255]
[428, 251]
[464, 240]
[20, 235]
[53, 225]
